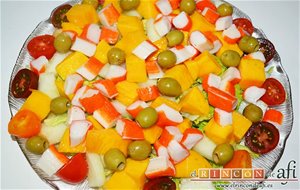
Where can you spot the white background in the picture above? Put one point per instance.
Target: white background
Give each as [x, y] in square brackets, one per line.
[278, 19]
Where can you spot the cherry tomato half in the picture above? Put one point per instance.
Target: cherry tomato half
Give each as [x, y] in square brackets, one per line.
[75, 171]
[245, 24]
[275, 93]
[163, 183]
[262, 137]
[24, 81]
[240, 159]
[41, 45]
[58, 15]
[267, 48]
[24, 124]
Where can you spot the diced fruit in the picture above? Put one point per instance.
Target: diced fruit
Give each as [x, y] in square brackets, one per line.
[131, 41]
[65, 145]
[96, 175]
[227, 46]
[200, 23]
[53, 134]
[151, 134]
[82, 14]
[181, 74]
[101, 51]
[186, 124]
[207, 64]
[95, 123]
[147, 9]
[218, 133]
[127, 92]
[136, 170]
[122, 179]
[161, 100]
[128, 24]
[136, 69]
[240, 159]
[240, 125]
[68, 26]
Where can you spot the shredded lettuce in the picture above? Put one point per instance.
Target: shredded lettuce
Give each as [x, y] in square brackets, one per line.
[243, 147]
[238, 95]
[55, 120]
[197, 82]
[177, 181]
[205, 118]
[223, 67]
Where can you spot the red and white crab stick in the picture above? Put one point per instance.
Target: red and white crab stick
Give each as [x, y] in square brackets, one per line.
[182, 21]
[159, 167]
[107, 115]
[106, 87]
[161, 150]
[253, 93]
[232, 34]
[84, 46]
[128, 129]
[200, 42]
[222, 117]
[78, 130]
[72, 83]
[162, 25]
[144, 49]
[39, 65]
[167, 116]
[92, 33]
[153, 70]
[90, 69]
[221, 99]
[136, 107]
[164, 6]
[223, 23]
[109, 15]
[75, 113]
[191, 137]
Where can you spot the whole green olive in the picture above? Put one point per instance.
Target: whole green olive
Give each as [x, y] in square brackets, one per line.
[169, 87]
[147, 117]
[223, 153]
[139, 150]
[114, 159]
[225, 9]
[174, 37]
[253, 113]
[248, 44]
[59, 105]
[127, 5]
[187, 6]
[94, 3]
[37, 144]
[166, 59]
[62, 42]
[116, 56]
[230, 58]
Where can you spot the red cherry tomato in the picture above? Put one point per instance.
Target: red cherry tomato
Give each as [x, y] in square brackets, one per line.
[75, 171]
[58, 15]
[262, 137]
[163, 183]
[245, 24]
[41, 45]
[22, 84]
[267, 48]
[24, 124]
[275, 93]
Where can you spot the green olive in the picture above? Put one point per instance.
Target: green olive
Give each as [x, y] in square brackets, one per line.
[223, 153]
[166, 59]
[147, 117]
[62, 42]
[188, 6]
[175, 37]
[127, 5]
[94, 3]
[37, 144]
[169, 87]
[225, 9]
[139, 150]
[253, 113]
[230, 58]
[248, 44]
[114, 159]
[59, 105]
[116, 56]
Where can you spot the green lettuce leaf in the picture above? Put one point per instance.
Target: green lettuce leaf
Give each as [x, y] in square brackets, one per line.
[238, 95]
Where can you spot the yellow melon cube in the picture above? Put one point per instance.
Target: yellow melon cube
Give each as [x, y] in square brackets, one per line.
[194, 103]
[240, 125]
[193, 68]
[70, 64]
[65, 146]
[101, 51]
[136, 69]
[184, 125]
[161, 100]
[151, 134]
[82, 14]
[207, 64]
[218, 134]
[200, 23]
[181, 74]
[252, 73]
[127, 92]
[129, 24]
[147, 9]
[227, 46]
[67, 26]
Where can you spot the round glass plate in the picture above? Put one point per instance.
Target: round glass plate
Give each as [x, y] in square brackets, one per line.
[267, 161]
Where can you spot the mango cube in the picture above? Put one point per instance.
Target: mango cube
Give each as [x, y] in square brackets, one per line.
[227, 46]
[207, 64]
[181, 74]
[200, 23]
[127, 92]
[240, 125]
[217, 133]
[184, 125]
[136, 69]
[101, 51]
[129, 24]
[151, 134]
[147, 9]
[161, 100]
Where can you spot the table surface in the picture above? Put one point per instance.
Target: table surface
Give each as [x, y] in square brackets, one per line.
[278, 19]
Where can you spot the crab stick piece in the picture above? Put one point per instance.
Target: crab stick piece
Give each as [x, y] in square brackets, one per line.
[252, 94]
[228, 87]
[91, 32]
[75, 101]
[191, 137]
[210, 15]
[92, 100]
[109, 15]
[104, 70]
[78, 130]
[51, 161]
[164, 6]
[231, 35]
[202, 4]
[217, 44]
[182, 21]
[144, 49]
[106, 87]
[159, 167]
[121, 108]
[39, 65]
[193, 51]
[150, 30]
[72, 84]
[90, 69]
[129, 129]
[222, 117]
[136, 107]
[200, 42]
[168, 134]
[116, 73]
[273, 116]
[258, 55]
[182, 53]
[174, 4]
[221, 99]
[107, 115]
[168, 116]
[109, 34]
[211, 80]
[153, 70]
[232, 74]
[162, 25]
[148, 93]
[175, 132]
[161, 150]
[223, 23]
[75, 113]
[177, 151]
[84, 46]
